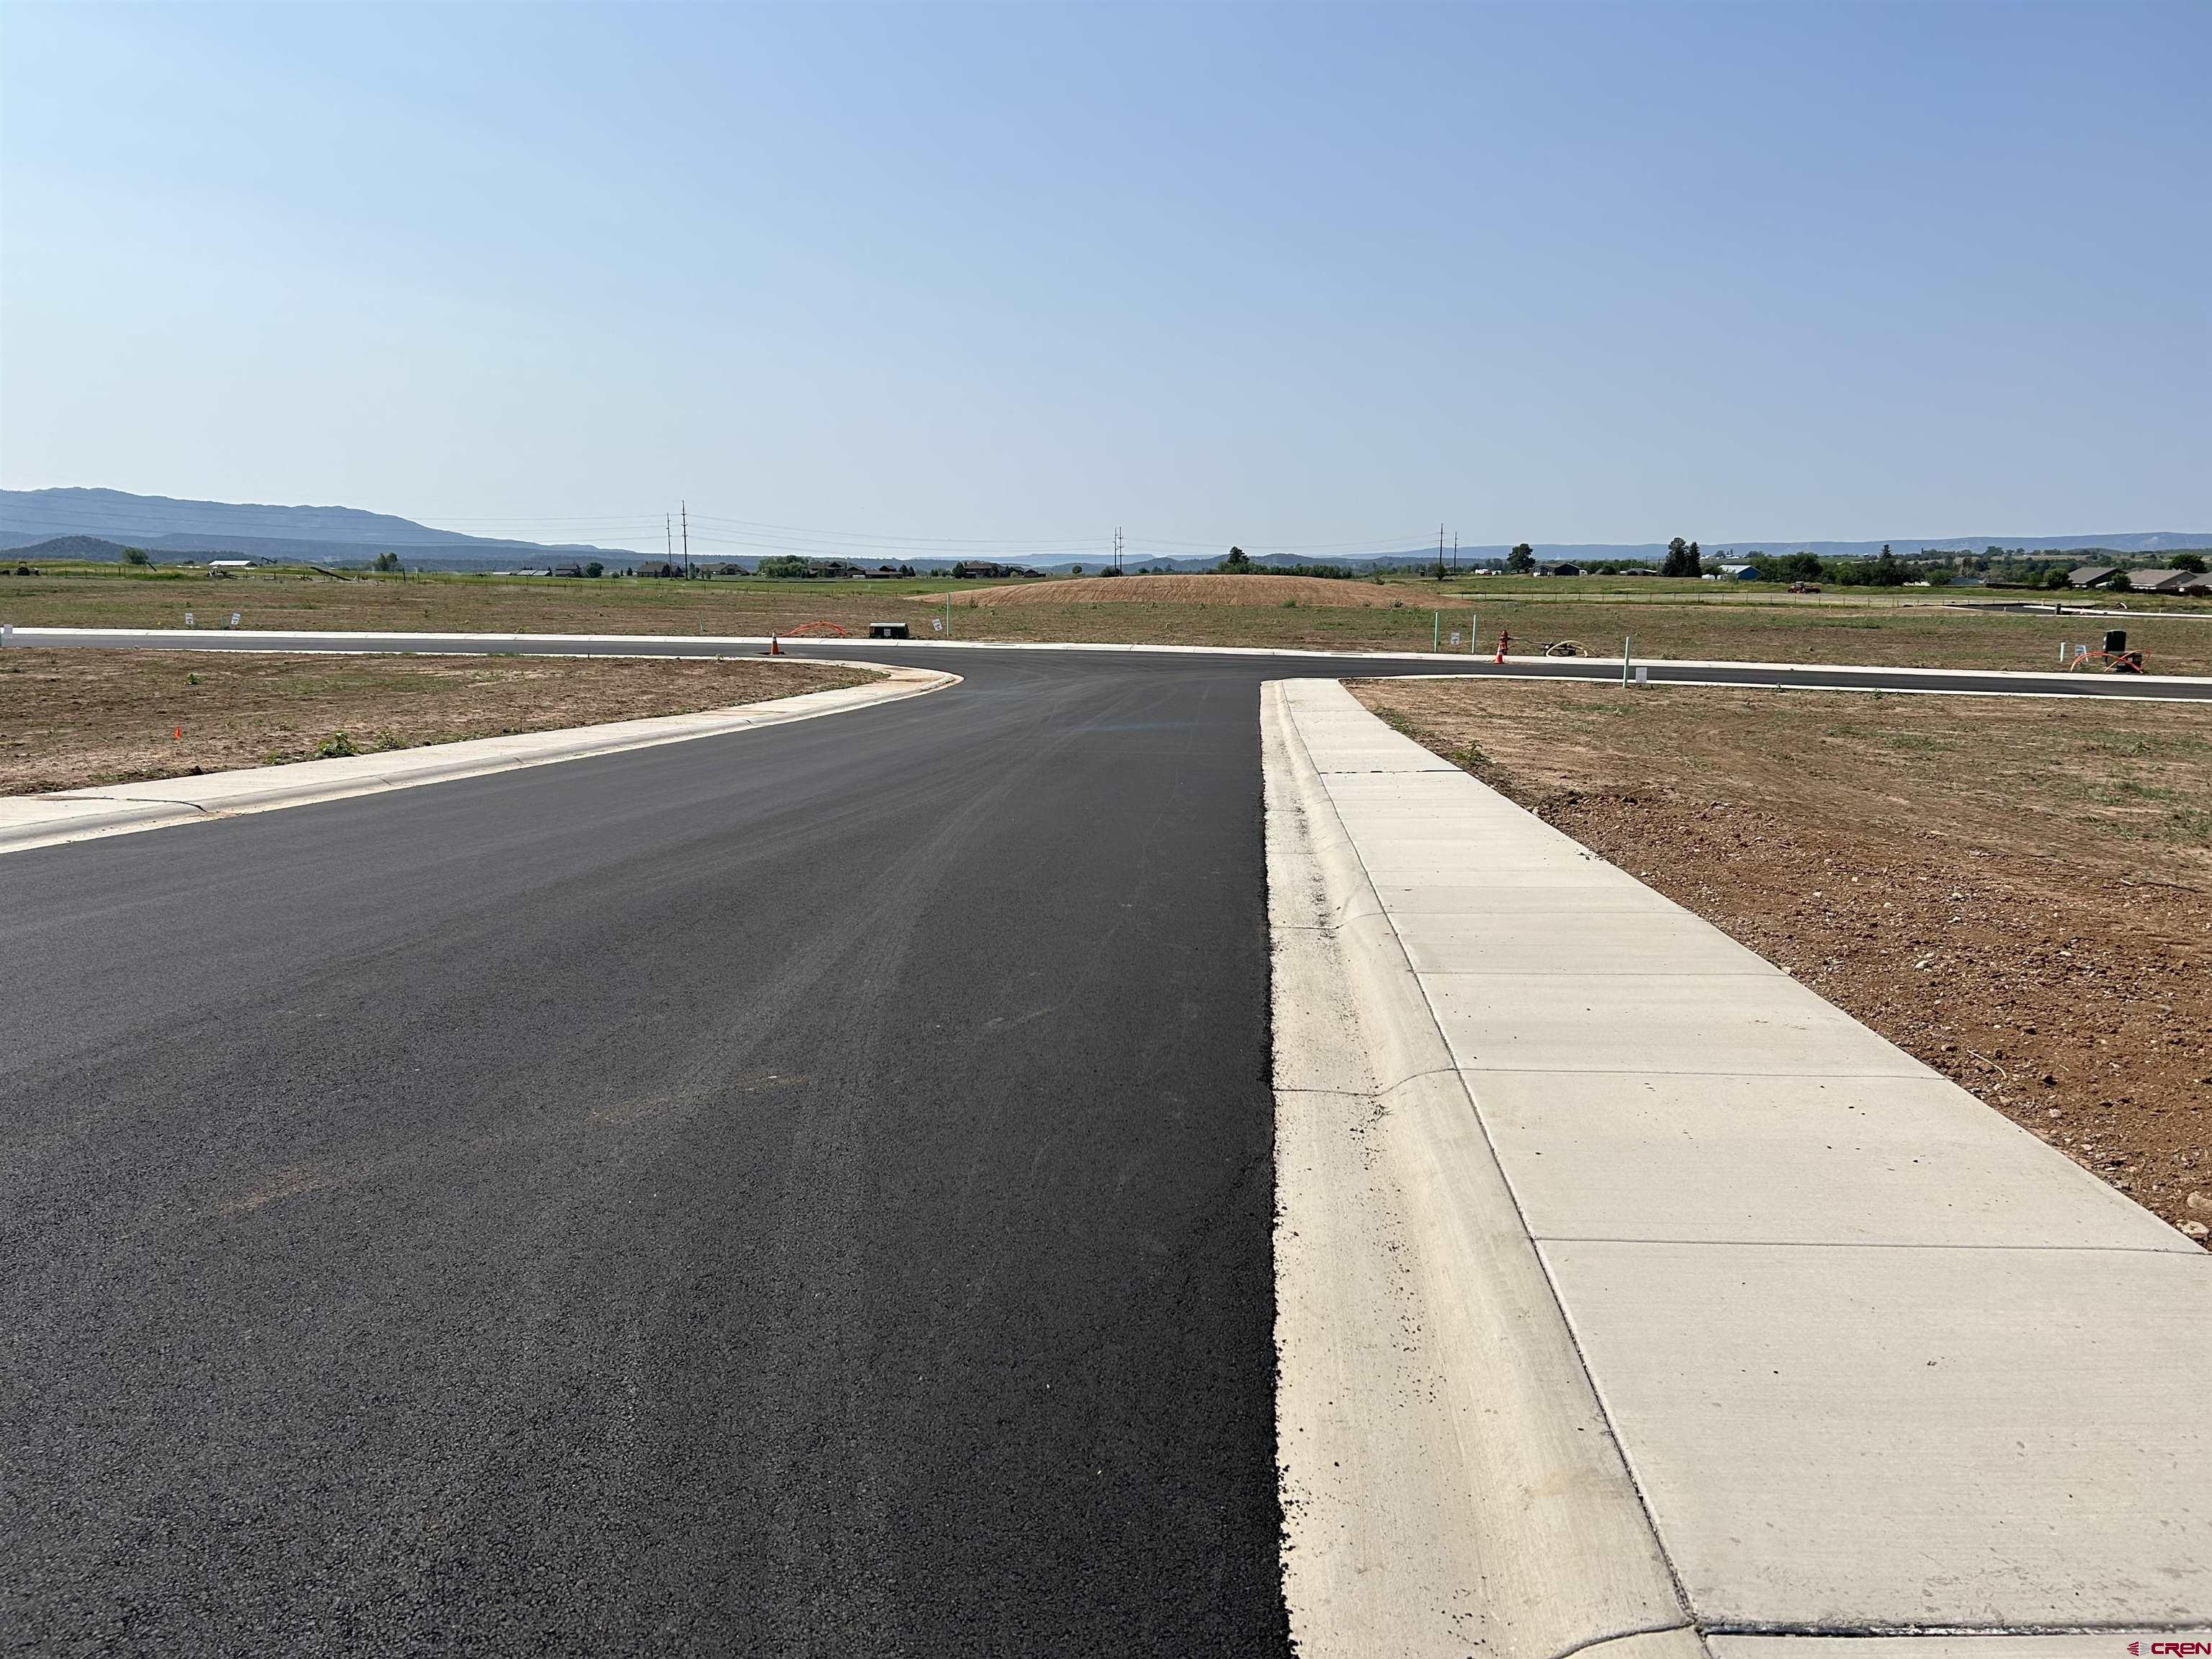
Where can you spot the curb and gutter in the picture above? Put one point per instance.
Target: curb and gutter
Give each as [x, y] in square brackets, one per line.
[27, 820]
[1450, 1484]
[1628, 1293]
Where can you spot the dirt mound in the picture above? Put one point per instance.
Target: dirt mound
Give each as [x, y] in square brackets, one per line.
[1183, 590]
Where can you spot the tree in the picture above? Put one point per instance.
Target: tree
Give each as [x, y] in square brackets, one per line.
[595, 568]
[1682, 559]
[1521, 560]
[2055, 577]
[1235, 565]
[137, 556]
[2192, 562]
[387, 563]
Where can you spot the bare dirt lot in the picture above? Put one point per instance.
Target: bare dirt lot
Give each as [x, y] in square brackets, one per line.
[2018, 892]
[70, 719]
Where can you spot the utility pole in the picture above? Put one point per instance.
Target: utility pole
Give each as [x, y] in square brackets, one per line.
[1440, 552]
[1117, 549]
[1455, 549]
[685, 509]
[667, 539]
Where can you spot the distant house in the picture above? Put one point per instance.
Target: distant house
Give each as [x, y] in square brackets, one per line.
[2092, 575]
[1741, 573]
[230, 564]
[1565, 570]
[2166, 581]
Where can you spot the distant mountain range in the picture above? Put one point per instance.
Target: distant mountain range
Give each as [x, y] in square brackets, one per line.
[161, 525]
[177, 530]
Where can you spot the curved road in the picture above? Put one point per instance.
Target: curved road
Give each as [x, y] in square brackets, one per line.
[801, 1192]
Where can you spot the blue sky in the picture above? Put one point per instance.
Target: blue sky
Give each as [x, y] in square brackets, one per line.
[1283, 276]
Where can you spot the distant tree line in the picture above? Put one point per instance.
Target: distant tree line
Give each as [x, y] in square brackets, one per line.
[1240, 564]
[792, 567]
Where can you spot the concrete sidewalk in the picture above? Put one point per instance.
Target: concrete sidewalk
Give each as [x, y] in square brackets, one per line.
[1875, 1361]
[29, 821]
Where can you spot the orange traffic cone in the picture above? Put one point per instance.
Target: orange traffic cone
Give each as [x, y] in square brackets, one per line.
[774, 649]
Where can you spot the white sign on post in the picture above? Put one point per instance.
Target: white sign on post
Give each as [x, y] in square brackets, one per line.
[937, 624]
[188, 619]
[1455, 636]
[233, 619]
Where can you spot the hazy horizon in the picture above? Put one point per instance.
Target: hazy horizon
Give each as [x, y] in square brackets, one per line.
[247, 524]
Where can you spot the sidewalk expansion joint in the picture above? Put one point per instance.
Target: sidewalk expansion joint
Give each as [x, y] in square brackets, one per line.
[1376, 1093]
[1874, 1244]
[1611, 973]
[1662, 1070]
[1624, 1636]
[1846, 1631]
[135, 800]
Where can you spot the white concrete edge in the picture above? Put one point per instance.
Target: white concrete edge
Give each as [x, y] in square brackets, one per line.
[2017, 682]
[1449, 1481]
[2073, 688]
[29, 821]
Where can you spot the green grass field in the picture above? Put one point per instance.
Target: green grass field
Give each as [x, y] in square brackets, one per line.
[1915, 626]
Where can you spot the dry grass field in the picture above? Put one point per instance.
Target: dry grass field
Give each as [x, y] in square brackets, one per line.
[2017, 893]
[1251, 592]
[1667, 619]
[74, 719]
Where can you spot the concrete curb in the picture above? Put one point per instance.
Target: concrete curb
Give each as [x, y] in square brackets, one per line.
[1846, 677]
[1450, 1484]
[29, 821]
[1882, 1364]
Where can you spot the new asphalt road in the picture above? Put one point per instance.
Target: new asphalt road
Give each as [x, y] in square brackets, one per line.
[805, 1192]
[801, 1192]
